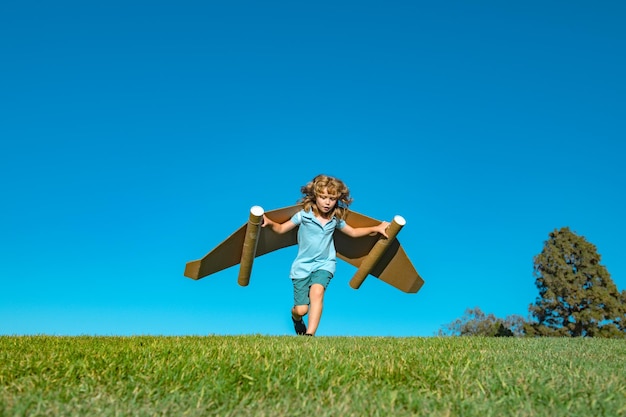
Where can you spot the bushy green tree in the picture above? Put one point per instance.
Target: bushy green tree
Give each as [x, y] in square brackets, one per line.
[476, 323]
[577, 296]
[621, 323]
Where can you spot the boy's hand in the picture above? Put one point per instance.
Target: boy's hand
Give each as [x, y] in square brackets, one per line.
[267, 221]
[382, 229]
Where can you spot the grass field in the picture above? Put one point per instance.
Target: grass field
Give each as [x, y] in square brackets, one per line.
[297, 376]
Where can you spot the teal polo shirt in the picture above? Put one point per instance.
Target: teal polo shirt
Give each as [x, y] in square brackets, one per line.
[316, 247]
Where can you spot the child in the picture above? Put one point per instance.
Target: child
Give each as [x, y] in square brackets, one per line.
[325, 204]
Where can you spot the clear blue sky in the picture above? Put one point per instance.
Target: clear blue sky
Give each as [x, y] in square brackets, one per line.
[136, 135]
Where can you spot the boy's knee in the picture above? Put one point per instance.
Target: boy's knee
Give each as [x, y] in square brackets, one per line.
[316, 291]
[301, 310]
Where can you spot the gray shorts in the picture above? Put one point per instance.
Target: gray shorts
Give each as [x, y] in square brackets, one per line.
[301, 286]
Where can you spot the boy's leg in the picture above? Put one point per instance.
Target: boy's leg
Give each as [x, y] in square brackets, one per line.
[320, 280]
[301, 304]
[317, 305]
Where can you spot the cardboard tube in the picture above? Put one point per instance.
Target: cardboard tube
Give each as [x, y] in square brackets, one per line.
[253, 229]
[380, 247]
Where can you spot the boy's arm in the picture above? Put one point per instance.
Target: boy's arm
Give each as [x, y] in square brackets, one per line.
[279, 228]
[364, 231]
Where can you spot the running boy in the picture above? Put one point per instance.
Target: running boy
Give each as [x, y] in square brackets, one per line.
[325, 202]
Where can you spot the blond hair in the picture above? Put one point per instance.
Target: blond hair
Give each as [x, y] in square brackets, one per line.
[334, 187]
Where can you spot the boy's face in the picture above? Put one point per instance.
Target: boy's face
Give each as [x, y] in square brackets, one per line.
[325, 202]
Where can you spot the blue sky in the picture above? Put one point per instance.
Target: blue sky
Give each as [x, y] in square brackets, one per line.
[137, 135]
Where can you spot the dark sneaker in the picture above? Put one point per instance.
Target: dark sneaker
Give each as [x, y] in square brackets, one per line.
[299, 326]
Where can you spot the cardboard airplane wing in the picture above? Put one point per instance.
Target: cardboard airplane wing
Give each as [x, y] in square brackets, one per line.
[375, 255]
[229, 252]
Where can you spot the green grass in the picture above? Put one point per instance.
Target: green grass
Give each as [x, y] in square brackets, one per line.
[324, 376]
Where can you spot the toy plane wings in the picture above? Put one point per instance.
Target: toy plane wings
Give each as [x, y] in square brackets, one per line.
[383, 258]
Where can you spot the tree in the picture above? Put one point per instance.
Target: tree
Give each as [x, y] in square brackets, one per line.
[621, 323]
[476, 323]
[577, 296]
